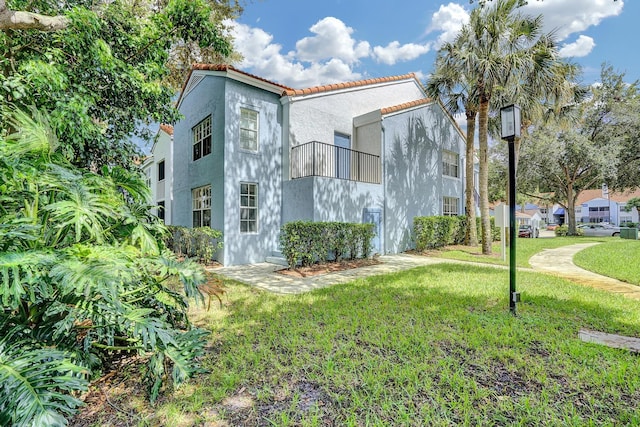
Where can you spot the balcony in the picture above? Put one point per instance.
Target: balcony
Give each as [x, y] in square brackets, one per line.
[330, 161]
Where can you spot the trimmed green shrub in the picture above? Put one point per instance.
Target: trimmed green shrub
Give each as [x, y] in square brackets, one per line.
[200, 242]
[437, 231]
[306, 242]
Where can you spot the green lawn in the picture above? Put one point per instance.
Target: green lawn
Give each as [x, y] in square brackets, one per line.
[430, 346]
[525, 248]
[615, 258]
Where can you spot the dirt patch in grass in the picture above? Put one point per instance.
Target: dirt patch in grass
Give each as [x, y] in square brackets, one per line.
[328, 267]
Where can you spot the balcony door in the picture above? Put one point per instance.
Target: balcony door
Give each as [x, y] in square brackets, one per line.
[342, 144]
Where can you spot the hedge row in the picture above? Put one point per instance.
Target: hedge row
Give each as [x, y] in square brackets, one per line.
[200, 242]
[437, 231]
[306, 242]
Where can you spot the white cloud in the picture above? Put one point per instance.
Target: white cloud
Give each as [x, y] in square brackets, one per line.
[449, 19]
[395, 52]
[332, 39]
[573, 16]
[265, 59]
[581, 47]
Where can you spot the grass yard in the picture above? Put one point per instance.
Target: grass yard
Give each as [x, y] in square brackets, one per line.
[525, 248]
[615, 258]
[430, 346]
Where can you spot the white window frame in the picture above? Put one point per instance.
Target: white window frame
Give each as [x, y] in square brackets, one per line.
[162, 211]
[201, 204]
[450, 206]
[164, 170]
[249, 209]
[249, 129]
[202, 138]
[450, 164]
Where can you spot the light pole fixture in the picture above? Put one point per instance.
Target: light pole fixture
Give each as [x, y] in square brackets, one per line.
[509, 131]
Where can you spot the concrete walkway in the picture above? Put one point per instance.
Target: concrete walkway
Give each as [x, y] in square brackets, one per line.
[554, 261]
[559, 262]
[263, 275]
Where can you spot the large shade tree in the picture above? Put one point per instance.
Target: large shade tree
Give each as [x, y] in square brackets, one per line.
[565, 158]
[106, 67]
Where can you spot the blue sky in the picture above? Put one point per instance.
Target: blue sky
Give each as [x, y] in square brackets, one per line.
[306, 43]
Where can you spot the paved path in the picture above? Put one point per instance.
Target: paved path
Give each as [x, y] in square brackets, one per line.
[555, 261]
[559, 261]
[263, 275]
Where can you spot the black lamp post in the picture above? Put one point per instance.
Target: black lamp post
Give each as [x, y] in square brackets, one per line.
[510, 130]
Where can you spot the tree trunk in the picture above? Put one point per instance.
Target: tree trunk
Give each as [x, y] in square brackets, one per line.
[471, 233]
[570, 213]
[19, 20]
[484, 175]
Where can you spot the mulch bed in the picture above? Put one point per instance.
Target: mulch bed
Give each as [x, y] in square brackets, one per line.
[328, 267]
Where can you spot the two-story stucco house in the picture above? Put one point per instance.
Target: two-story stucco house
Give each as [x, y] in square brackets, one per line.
[250, 155]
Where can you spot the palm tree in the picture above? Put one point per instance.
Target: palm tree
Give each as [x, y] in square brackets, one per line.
[500, 50]
[456, 90]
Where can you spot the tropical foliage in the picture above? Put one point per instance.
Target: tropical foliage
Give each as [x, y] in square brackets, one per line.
[114, 67]
[83, 279]
[500, 54]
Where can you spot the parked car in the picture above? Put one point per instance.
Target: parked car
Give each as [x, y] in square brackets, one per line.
[552, 226]
[599, 230]
[526, 230]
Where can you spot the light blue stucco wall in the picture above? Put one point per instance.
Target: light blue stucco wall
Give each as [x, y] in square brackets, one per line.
[228, 165]
[412, 171]
[263, 167]
[206, 99]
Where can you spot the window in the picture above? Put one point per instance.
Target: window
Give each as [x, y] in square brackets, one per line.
[248, 129]
[450, 164]
[147, 177]
[201, 206]
[161, 210]
[450, 206]
[248, 208]
[161, 171]
[202, 138]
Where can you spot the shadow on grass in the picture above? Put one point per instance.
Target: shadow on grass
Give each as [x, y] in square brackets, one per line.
[436, 344]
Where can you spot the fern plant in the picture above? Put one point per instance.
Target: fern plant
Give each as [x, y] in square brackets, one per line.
[83, 274]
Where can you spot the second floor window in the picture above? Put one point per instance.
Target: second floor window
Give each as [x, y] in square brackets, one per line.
[248, 129]
[202, 138]
[450, 162]
[161, 171]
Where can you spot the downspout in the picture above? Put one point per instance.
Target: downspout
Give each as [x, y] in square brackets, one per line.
[383, 159]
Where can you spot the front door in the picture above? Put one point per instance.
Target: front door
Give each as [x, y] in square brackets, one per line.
[343, 155]
[374, 216]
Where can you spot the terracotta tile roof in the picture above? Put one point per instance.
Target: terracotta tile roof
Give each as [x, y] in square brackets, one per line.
[168, 129]
[225, 67]
[587, 195]
[404, 106]
[347, 85]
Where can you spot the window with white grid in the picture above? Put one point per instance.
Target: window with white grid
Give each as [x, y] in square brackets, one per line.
[202, 138]
[248, 207]
[450, 161]
[248, 129]
[201, 197]
[450, 206]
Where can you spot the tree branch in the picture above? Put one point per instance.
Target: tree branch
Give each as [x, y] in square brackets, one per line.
[20, 20]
